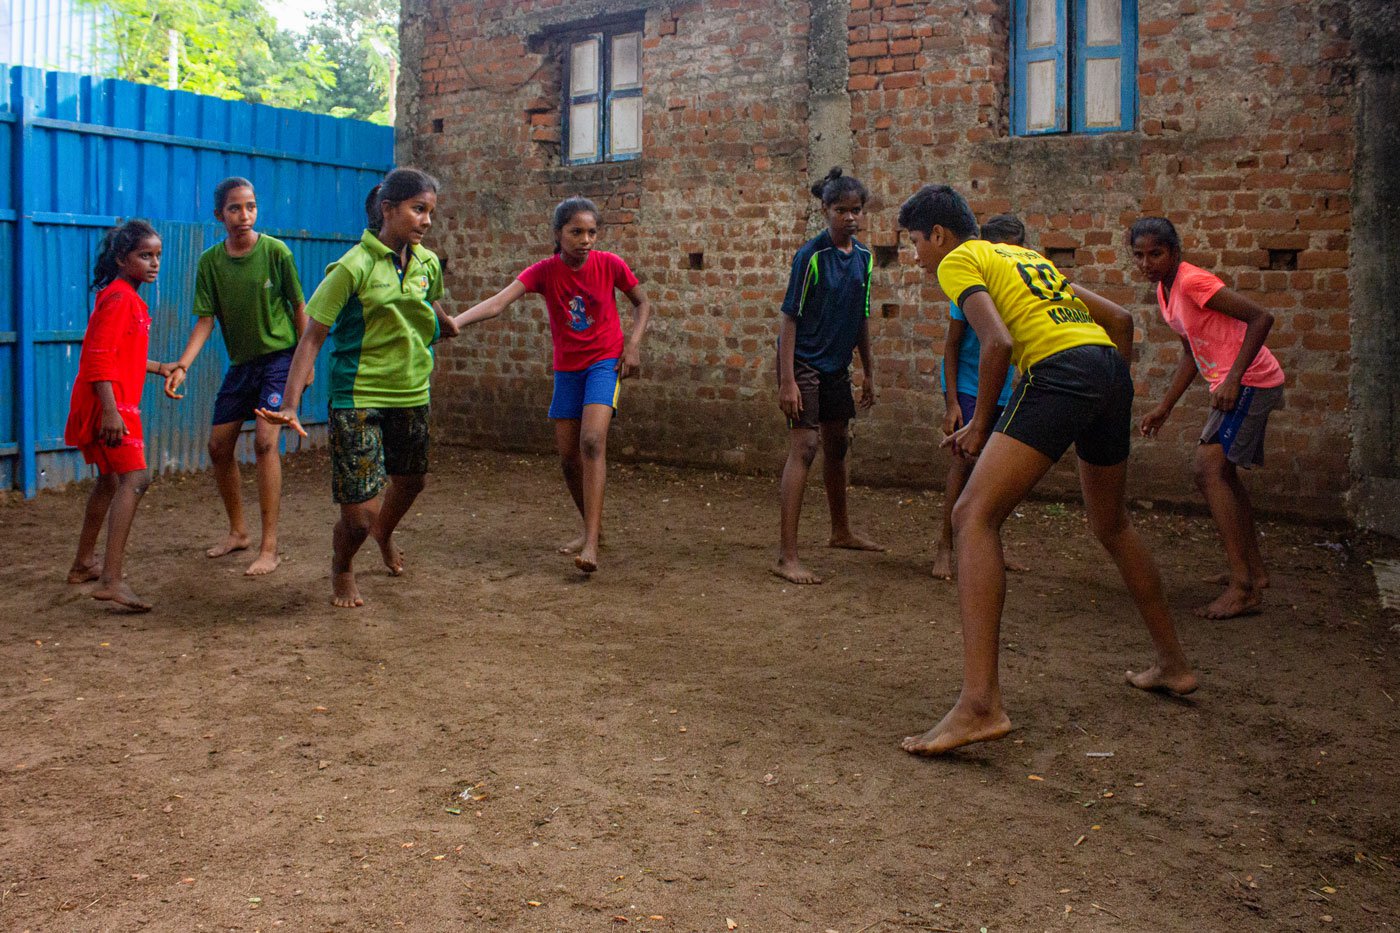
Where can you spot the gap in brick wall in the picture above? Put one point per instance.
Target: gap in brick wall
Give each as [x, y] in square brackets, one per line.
[1283, 260]
[886, 256]
[889, 310]
[437, 125]
[696, 261]
[1061, 256]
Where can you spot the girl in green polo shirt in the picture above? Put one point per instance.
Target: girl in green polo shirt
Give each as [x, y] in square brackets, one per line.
[376, 304]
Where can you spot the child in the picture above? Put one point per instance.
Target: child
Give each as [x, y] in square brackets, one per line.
[1222, 334]
[380, 298]
[590, 354]
[960, 352]
[249, 283]
[104, 415]
[1075, 388]
[825, 318]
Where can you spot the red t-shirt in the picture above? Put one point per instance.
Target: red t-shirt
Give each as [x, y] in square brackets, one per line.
[114, 350]
[1215, 338]
[582, 306]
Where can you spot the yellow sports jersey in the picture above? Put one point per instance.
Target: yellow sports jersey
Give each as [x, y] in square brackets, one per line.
[1037, 305]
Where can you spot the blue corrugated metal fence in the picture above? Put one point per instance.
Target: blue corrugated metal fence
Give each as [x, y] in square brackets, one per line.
[77, 154]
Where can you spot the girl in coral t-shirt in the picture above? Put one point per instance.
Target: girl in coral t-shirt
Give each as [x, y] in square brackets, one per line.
[590, 354]
[1222, 335]
[104, 415]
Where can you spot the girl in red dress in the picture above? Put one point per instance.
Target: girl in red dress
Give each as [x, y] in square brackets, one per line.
[104, 416]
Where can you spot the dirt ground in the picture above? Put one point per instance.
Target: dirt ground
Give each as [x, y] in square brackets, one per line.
[682, 742]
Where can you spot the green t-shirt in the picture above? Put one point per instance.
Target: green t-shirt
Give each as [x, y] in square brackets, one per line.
[253, 296]
[382, 324]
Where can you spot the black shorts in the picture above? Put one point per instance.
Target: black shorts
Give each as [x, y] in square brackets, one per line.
[825, 396]
[1081, 396]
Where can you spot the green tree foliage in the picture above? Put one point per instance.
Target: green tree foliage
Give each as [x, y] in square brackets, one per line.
[226, 48]
[362, 38]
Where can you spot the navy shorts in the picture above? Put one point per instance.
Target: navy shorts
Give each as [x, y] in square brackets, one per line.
[596, 385]
[1081, 396]
[258, 383]
[967, 404]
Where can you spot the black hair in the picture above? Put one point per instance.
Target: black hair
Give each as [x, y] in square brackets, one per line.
[1159, 228]
[836, 185]
[938, 206]
[565, 211]
[399, 185]
[1004, 228]
[222, 189]
[118, 243]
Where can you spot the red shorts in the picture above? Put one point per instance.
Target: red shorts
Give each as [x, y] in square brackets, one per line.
[126, 458]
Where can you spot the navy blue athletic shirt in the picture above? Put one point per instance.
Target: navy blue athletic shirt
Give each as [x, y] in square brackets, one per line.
[829, 295]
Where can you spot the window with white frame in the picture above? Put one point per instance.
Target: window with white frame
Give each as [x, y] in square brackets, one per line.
[1073, 66]
[603, 95]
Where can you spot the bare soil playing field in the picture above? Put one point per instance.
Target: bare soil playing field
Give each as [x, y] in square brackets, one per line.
[682, 742]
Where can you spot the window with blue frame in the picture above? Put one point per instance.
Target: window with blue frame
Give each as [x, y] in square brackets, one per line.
[1073, 66]
[603, 95]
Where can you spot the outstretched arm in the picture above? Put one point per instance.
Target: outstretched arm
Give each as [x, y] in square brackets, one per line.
[1258, 323]
[631, 362]
[180, 368]
[303, 361]
[491, 306]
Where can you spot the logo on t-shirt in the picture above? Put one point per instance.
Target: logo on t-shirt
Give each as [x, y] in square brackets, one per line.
[267, 284]
[578, 316]
[423, 282]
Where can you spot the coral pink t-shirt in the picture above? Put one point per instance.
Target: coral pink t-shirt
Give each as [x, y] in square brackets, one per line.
[582, 306]
[1215, 338]
[114, 350]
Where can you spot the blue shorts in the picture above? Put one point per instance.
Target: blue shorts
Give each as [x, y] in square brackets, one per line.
[596, 385]
[258, 383]
[967, 404]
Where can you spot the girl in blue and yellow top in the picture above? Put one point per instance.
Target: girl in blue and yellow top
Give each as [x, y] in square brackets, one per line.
[376, 304]
[825, 319]
[1072, 348]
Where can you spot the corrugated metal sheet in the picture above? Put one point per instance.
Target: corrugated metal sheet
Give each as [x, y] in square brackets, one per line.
[61, 35]
[85, 152]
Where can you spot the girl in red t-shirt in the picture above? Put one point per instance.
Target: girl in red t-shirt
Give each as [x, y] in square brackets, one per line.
[590, 354]
[104, 416]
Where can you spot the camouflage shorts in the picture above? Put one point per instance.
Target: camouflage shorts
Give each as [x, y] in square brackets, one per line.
[368, 445]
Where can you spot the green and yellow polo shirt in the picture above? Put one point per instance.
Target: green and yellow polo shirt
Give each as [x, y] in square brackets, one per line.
[382, 324]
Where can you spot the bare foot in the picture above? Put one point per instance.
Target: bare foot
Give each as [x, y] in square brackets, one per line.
[1179, 683]
[793, 572]
[854, 542]
[1235, 601]
[393, 556]
[1223, 579]
[942, 564]
[574, 546]
[265, 564]
[587, 559]
[234, 542]
[958, 728]
[85, 573]
[344, 592]
[121, 594]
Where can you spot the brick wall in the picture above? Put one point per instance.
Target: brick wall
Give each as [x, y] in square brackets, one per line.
[1245, 140]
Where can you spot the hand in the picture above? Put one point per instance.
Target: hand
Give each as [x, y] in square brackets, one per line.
[287, 417]
[174, 378]
[967, 442]
[1227, 396]
[630, 363]
[112, 428]
[448, 327]
[790, 399]
[1152, 422]
[952, 419]
[867, 394]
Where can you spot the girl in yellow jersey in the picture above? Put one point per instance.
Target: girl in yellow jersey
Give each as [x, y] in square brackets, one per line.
[1072, 348]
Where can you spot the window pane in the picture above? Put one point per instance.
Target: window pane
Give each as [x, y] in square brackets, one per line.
[1105, 22]
[583, 69]
[1040, 96]
[627, 61]
[1040, 28]
[1103, 104]
[583, 131]
[625, 130]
